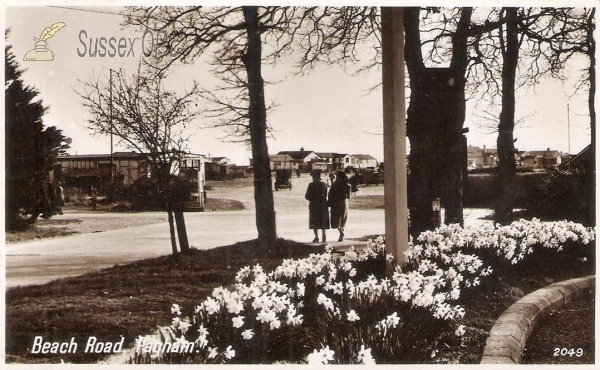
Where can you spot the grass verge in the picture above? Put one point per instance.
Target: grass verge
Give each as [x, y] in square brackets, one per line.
[126, 300]
[367, 202]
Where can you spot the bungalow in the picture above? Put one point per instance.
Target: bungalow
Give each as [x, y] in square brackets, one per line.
[541, 158]
[364, 161]
[240, 171]
[348, 161]
[332, 161]
[301, 158]
[481, 158]
[282, 161]
[218, 160]
[85, 171]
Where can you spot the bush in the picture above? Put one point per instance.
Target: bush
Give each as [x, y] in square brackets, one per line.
[494, 170]
[147, 195]
[482, 189]
[77, 196]
[562, 195]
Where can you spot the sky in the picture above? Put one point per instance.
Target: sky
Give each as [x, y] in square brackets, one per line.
[328, 110]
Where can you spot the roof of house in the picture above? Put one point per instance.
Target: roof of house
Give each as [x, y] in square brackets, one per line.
[475, 150]
[280, 157]
[326, 155]
[579, 159]
[129, 155]
[545, 153]
[364, 157]
[297, 154]
[217, 159]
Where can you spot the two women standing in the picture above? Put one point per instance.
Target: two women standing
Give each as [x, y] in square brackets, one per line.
[319, 201]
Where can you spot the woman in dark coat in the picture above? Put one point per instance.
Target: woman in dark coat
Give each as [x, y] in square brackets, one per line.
[318, 217]
[338, 201]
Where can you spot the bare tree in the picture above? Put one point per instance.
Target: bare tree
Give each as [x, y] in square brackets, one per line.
[150, 120]
[537, 43]
[509, 45]
[236, 38]
[562, 36]
[436, 111]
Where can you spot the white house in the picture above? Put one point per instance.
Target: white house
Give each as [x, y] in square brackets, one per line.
[282, 161]
[218, 160]
[365, 160]
[301, 158]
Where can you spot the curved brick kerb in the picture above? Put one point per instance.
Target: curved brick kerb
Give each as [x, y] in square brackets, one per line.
[507, 338]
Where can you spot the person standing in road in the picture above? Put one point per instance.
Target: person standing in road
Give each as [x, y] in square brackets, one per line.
[338, 201]
[354, 182]
[60, 198]
[330, 179]
[318, 215]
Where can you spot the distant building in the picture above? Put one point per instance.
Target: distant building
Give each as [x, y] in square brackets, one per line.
[282, 161]
[540, 159]
[301, 158]
[578, 162]
[348, 161]
[85, 171]
[481, 158]
[307, 160]
[365, 160]
[218, 160]
[240, 171]
[332, 161]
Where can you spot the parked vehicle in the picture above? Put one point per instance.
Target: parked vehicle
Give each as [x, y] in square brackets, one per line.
[370, 176]
[283, 179]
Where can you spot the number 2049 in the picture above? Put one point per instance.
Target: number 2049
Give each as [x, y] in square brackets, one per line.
[568, 352]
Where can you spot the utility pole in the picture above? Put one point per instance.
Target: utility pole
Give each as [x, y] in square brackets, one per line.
[394, 133]
[569, 135]
[111, 131]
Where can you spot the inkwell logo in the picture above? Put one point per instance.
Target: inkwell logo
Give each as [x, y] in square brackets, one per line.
[41, 52]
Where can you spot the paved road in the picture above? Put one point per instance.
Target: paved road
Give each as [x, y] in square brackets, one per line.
[44, 260]
[40, 261]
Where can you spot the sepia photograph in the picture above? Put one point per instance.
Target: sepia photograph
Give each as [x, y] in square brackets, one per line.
[274, 184]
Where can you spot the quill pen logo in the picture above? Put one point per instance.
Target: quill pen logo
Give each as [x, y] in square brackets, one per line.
[41, 51]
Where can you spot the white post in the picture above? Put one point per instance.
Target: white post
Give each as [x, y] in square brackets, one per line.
[394, 132]
[201, 180]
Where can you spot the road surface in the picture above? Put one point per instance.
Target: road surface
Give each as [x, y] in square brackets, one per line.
[40, 261]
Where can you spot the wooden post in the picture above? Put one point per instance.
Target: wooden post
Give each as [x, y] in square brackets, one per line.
[394, 133]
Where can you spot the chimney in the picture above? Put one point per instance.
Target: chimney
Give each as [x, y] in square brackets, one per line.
[548, 149]
[302, 149]
[484, 148]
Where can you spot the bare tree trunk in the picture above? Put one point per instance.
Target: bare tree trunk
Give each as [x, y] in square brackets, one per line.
[506, 150]
[435, 118]
[590, 184]
[263, 187]
[592, 92]
[172, 233]
[181, 231]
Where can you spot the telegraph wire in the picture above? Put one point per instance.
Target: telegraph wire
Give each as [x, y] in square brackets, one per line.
[86, 10]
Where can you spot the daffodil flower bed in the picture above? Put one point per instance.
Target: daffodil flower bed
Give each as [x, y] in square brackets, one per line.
[334, 309]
